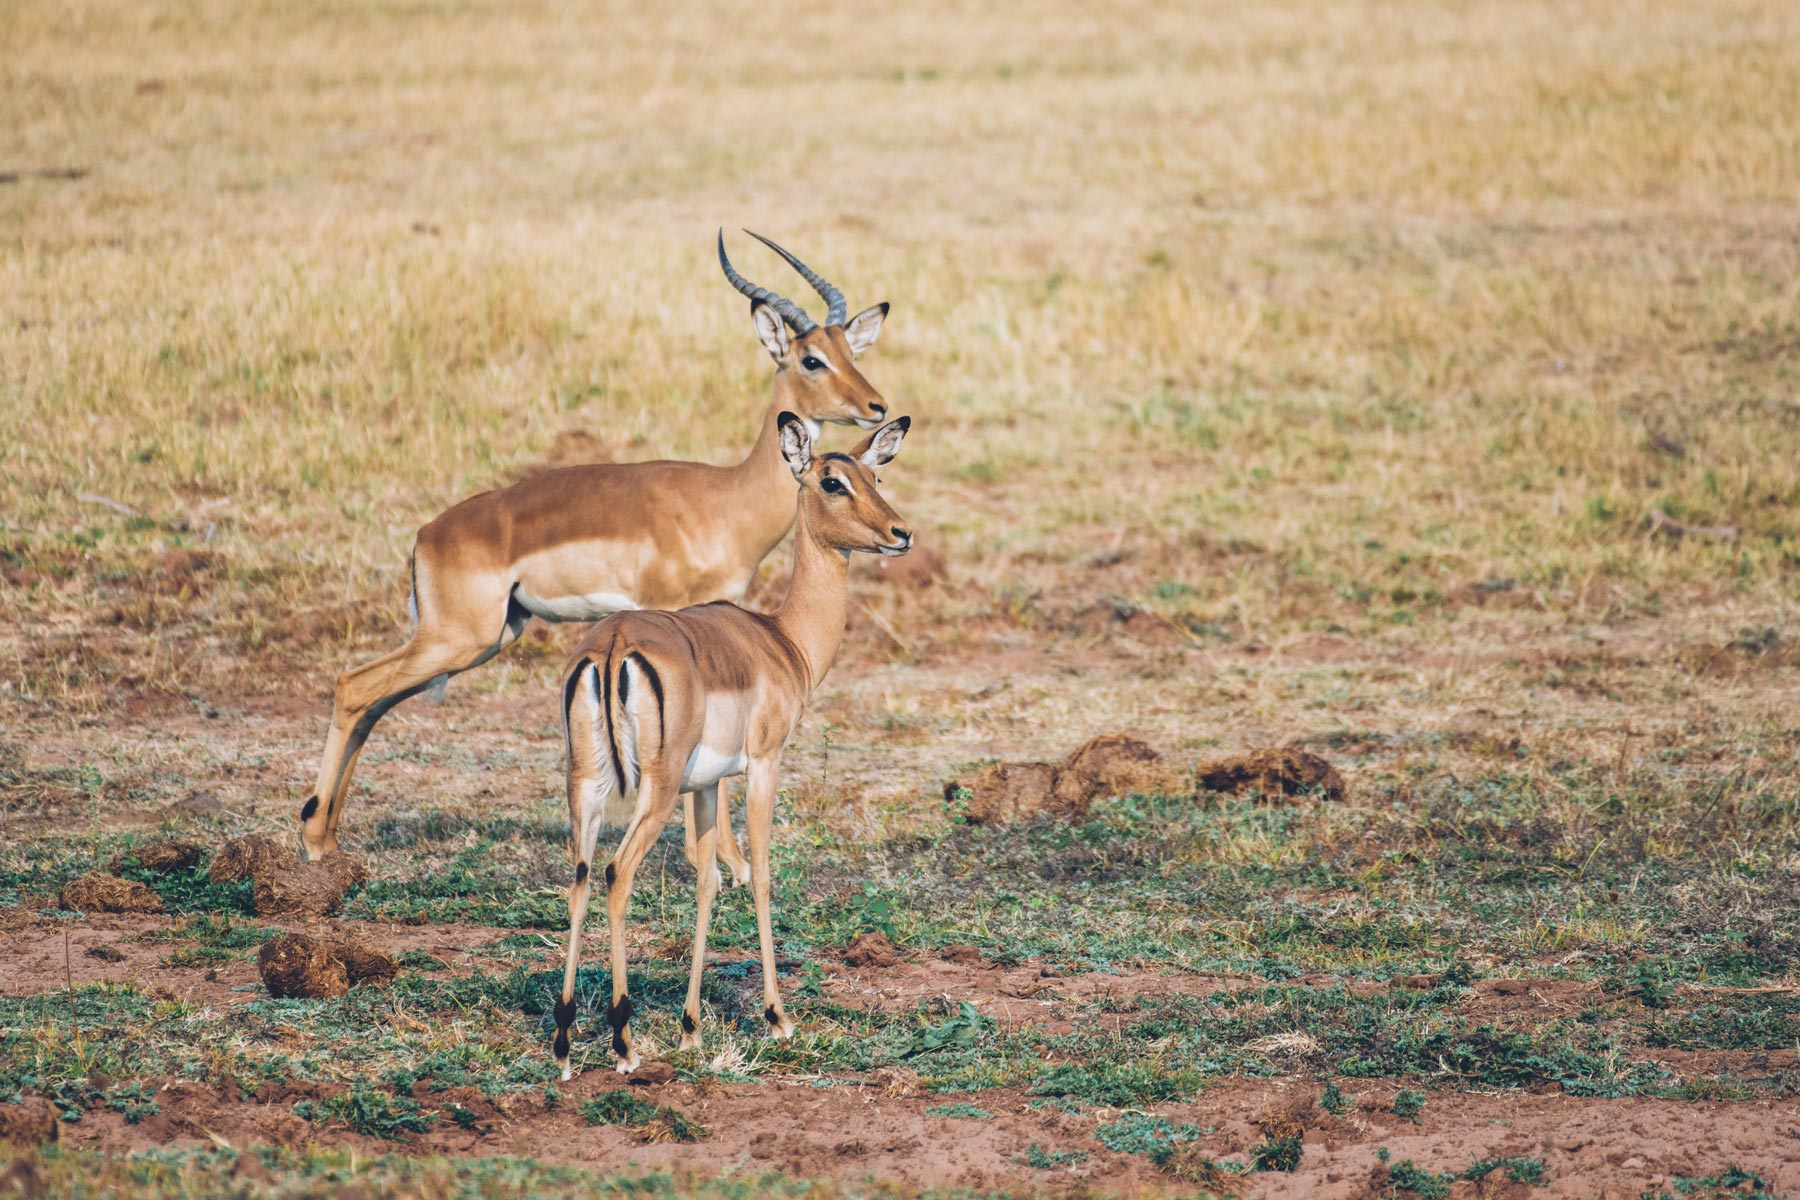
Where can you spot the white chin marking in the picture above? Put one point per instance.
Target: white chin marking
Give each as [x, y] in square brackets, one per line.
[590, 607]
[866, 422]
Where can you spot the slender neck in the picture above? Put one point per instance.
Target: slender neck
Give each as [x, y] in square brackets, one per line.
[764, 463]
[812, 615]
[763, 486]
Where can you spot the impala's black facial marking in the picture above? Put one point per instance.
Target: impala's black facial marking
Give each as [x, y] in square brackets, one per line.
[619, 1016]
[309, 808]
[687, 1022]
[581, 874]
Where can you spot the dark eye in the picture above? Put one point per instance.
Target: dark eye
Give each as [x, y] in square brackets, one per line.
[831, 486]
[812, 364]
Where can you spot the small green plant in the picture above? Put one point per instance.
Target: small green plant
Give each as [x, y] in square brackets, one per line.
[375, 1112]
[1733, 1182]
[956, 804]
[960, 1032]
[1519, 1170]
[620, 1107]
[1651, 986]
[1277, 1154]
[1422, 1183]
[958, 1110]
[1333, 1100]
[1141, 1133]
[1409, 1103]
[812, 981]
[1044, 1160]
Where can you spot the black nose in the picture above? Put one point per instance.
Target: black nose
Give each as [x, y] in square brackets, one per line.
[902, 532]
[879, 410]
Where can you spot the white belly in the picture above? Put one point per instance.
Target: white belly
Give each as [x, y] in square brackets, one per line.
[721, 750]
[590, 607]
[706, 766]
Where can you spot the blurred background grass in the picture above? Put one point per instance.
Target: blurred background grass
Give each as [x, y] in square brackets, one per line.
[1387, 321]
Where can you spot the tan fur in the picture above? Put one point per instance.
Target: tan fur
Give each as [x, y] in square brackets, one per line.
[639, 535]
[647, 694]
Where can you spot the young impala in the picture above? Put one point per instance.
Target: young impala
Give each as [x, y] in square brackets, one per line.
[657, 704]
[578, 543]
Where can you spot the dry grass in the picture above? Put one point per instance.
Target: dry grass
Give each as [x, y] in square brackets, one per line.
[1355, 341]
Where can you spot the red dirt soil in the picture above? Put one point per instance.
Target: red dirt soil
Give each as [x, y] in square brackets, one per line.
[1590, 1147]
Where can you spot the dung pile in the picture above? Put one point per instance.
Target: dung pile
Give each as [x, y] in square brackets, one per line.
[283, 886]
[295, 965]
[96, 893]
[162, 858]
[1274, 773]
[1114, 764]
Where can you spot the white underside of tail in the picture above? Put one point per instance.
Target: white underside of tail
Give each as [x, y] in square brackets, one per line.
[616, 805]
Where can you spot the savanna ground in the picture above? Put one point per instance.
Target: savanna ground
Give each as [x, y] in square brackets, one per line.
[1288, 373]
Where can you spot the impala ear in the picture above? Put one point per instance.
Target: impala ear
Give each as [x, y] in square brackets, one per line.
[771, 330]
[879, 448]
[796, 442]
[863, 327]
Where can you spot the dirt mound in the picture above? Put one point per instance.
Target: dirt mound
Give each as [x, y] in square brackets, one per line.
[871, 950]
[920, 567]
[247, 858]
[1274, 772]
[29, 1124]
[306, 889]
[163, 858]
[571, 448]
[97, 893]
[1114, 764]
[296, 965]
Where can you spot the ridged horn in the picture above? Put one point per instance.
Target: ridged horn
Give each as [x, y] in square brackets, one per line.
[790, 312]
[833, 298]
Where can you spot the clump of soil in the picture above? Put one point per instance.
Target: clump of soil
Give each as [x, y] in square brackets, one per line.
[163, 858]
[960, 954]
[572, 448]
[871, 950]
[96, 893]
[920, 567]
[306, 889]
[296, 965]
[29, 1124]
[1111, 765]
[1273, 773]
[247, 858]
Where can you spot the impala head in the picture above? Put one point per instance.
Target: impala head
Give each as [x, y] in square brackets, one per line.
[816, 362]
[838, 495]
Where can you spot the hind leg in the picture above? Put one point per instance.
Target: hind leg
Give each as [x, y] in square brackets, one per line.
[656, 804]
[366, 694]
[584, 829]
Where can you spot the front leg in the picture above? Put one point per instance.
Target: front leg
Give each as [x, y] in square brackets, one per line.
[759, 819]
